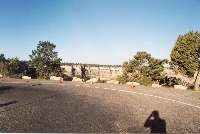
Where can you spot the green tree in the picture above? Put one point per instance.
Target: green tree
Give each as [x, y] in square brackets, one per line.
[142, 68]
[45, 60]
[185, 54]
[2, 58]
[14, 67]
[17, 68]
[3, 65]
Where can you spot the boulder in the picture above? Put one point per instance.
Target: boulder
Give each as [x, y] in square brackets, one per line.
[55, 78]
[1, 76]
[156, 85]
[26, 77]
[77, 79]
[93, 80]
[180, 87]
[133, 83]
[113, 82]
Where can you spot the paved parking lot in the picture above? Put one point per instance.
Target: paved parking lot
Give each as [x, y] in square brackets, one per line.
[47, 106]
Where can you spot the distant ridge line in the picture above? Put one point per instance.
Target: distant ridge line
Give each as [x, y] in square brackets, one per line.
[93, 65]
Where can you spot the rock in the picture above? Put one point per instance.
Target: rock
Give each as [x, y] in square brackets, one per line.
[56, 78]
[1, 76]
[133, 83]
[128, 83]
[180, 87]
[77, 79]
[26, 77]
[93, 80]
[156, 85]
[113, 82]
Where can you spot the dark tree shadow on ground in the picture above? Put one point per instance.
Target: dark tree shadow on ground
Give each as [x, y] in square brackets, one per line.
[155, 123]
[60, 111]
[8, 103]
[5, 88]
[39, 84]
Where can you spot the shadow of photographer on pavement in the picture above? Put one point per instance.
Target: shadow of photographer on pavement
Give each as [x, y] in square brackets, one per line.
[155, 123]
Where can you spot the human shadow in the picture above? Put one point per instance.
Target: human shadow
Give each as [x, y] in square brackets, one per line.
[155, 123]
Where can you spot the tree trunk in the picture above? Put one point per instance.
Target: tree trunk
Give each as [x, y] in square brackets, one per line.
[196, 80]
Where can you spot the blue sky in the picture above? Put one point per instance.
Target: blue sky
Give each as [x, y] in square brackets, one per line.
[96, 31]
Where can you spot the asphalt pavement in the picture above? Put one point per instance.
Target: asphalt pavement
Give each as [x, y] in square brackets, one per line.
[73, 107]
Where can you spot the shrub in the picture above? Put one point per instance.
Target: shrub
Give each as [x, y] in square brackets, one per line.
[123, 78]
[170, 81]
[145, 81]
[78, 76]
[66, 77]
[17, 76]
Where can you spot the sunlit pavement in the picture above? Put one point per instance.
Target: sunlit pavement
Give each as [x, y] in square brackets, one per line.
[50, 106]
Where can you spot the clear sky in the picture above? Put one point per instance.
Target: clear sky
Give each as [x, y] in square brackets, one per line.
[96, 31]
